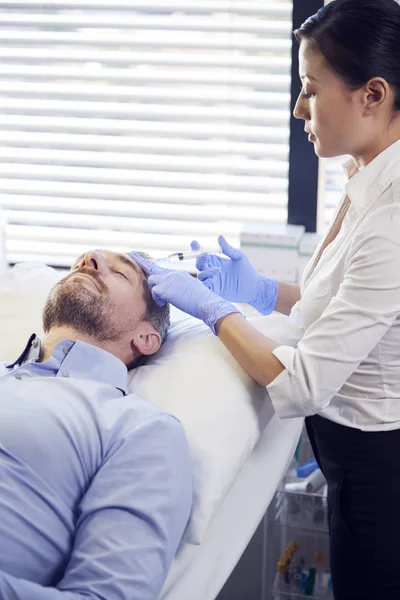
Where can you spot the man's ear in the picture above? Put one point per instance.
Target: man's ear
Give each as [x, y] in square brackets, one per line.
[146, 339]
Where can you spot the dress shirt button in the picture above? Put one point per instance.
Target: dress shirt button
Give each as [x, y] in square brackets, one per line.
[65, 374]
[65, 350]
[18, 376]
[35, 343]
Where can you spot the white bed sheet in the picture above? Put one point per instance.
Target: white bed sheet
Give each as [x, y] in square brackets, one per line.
[199, 572]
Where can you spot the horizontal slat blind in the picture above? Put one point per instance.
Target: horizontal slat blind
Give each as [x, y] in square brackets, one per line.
[134, 124]
[334, 181]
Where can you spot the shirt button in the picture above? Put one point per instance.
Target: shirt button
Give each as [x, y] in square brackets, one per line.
[35, 343]
[18, 376]
[65, 374]
[65, 350]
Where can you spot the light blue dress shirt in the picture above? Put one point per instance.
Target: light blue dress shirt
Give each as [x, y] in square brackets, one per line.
[95, 484]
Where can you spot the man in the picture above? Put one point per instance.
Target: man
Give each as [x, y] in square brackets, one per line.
[95, 483]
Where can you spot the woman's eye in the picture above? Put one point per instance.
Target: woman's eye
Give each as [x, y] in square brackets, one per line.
[119, 273]
[308, 96]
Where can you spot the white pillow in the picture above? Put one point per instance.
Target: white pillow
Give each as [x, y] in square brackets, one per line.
[23, 293]
[193, 377]
[222, 409]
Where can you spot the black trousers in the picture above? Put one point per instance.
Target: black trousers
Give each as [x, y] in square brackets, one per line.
[363, 474]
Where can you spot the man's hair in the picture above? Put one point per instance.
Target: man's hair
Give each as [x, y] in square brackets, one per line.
[157, 316]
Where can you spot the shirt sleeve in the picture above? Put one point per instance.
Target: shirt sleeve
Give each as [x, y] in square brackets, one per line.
[365, 307]
[130, 521]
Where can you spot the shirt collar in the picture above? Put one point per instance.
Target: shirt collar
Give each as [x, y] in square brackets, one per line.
[366, 185]
[31, 351]
[77, 359]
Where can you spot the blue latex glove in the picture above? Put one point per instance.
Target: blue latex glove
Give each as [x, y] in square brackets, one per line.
[185, 292]
[235, 279]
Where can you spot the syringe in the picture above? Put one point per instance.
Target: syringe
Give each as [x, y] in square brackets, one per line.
[179, 256]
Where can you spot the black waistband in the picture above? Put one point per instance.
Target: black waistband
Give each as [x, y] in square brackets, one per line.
[335, 444]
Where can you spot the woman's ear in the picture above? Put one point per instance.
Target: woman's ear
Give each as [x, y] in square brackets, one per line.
[376, 93]
[146, 339]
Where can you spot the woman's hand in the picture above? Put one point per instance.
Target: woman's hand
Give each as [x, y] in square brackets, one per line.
[235, 279]
[185, 292]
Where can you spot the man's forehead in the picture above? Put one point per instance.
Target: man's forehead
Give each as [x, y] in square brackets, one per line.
[122, 257]
[119, 256]
[125, 258]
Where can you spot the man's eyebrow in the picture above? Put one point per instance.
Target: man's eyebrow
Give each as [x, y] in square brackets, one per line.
[124, 259]
[127, 261]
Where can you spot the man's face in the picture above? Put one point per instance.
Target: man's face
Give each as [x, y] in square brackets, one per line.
[104, 296]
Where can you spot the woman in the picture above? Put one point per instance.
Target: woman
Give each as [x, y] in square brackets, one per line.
[344, 376]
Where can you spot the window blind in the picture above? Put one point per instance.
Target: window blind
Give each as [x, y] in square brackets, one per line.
[332, 190]
[133, 124]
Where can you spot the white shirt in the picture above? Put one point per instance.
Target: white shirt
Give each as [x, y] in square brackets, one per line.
[347, 365]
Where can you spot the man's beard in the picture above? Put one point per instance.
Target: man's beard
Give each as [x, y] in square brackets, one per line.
[71, 304]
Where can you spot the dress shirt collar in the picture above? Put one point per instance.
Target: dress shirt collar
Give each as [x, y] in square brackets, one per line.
[366, 185]
[76, 359]
[30, 352]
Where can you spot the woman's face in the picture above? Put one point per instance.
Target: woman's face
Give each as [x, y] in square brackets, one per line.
[331, 111]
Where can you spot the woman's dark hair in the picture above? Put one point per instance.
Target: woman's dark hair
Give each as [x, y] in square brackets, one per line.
[360, 39]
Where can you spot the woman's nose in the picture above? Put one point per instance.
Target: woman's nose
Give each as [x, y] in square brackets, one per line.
[296, 111]
[299, 111]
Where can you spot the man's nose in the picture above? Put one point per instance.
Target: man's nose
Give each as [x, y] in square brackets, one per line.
[93, 260]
